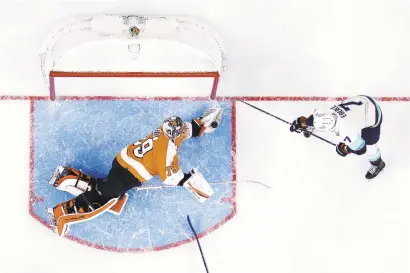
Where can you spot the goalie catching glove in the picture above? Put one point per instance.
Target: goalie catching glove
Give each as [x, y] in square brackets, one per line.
[209, 121]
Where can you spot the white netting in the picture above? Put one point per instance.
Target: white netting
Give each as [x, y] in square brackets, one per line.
[88, 29]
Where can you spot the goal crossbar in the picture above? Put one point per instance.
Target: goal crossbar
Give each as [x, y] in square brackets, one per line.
[95, 74]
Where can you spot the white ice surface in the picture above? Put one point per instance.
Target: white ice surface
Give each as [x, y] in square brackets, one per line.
[154, 55]
[330, 220]
[297, 47]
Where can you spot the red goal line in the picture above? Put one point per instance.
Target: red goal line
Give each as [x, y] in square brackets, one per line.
[231, 98]
[305, 98]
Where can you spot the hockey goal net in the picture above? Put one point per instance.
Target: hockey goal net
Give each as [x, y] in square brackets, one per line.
[132, 56]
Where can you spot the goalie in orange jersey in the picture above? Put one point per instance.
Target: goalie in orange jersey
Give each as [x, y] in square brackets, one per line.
[137, 163]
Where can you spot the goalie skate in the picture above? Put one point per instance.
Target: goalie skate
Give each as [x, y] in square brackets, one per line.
[53, 223]
[57, 174]
[375, 170]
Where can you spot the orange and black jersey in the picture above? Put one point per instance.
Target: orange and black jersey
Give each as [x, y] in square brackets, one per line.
[156, 155]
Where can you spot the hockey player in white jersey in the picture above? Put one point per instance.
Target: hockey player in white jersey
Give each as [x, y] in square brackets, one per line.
[357, 121]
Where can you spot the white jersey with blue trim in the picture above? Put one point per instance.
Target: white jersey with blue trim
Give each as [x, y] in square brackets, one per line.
[353, 115]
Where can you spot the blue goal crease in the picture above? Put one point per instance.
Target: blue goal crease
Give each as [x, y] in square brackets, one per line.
[88, 134]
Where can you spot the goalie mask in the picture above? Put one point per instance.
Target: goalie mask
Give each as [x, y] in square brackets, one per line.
[173, 127]
[324, 120]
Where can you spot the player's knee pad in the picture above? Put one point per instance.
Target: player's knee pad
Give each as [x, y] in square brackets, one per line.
[67, 213]
[72, 180]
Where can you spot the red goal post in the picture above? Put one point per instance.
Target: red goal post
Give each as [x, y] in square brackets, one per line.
[206, 66]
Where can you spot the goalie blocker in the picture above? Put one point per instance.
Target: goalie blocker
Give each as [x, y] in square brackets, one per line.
[156, 154]
[198, 186]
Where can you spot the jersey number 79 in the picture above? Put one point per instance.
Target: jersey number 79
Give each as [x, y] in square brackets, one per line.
[145, 145]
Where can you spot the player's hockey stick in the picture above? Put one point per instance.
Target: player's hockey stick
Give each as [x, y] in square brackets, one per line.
[287, 122]
[197, 240]
[212, 183]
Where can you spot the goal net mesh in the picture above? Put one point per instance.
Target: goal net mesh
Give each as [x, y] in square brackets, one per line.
[80, 31]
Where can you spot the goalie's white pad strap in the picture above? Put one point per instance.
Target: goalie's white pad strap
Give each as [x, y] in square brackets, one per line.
[73, 186]
[72, 190]
[199, 187]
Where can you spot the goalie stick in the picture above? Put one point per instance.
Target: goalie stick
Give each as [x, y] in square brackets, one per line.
[212, 183]
[287, 122]
[197, 240]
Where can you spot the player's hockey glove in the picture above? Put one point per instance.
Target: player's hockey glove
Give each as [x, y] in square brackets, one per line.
[298, 125]
[342, 149]
[347, 150]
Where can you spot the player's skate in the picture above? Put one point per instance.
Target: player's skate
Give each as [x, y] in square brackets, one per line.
[375, 169]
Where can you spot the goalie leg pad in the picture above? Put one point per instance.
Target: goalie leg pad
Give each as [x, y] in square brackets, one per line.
[119, 206]
[72, 180]
[80, 209]
[198, 186]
